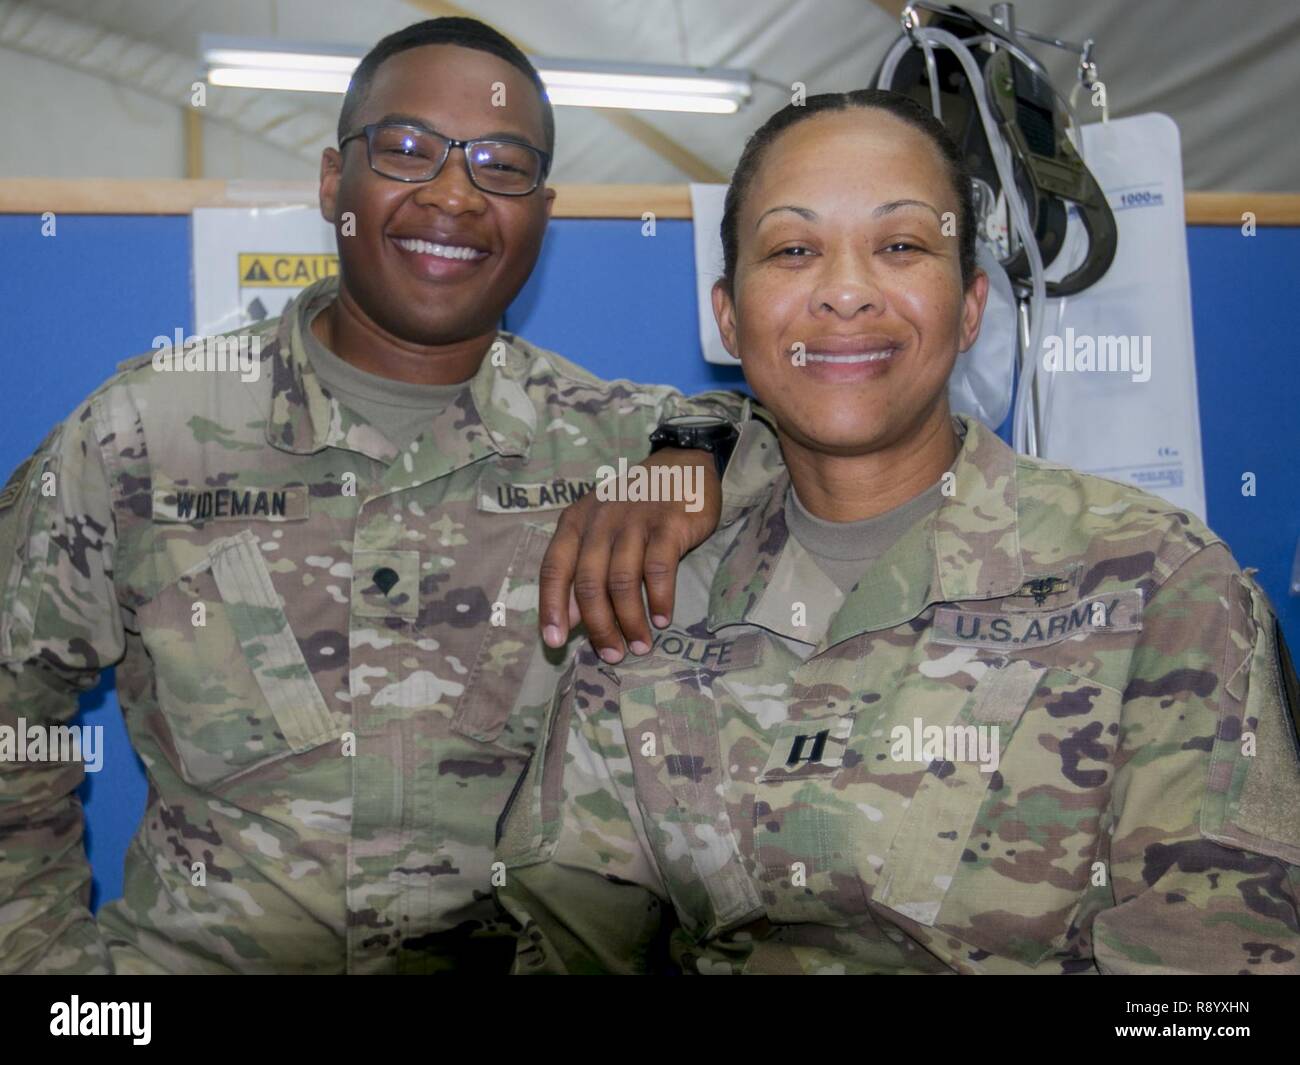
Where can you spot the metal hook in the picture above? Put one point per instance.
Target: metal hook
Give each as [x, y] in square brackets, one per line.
[1087, 65]
[911, 23]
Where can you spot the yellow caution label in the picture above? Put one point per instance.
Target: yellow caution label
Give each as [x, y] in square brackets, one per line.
[271, 269]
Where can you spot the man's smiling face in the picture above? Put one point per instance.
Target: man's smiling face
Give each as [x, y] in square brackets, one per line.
[488, 243]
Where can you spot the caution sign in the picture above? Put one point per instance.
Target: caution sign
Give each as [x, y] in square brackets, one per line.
[269, 269]
[249, 262]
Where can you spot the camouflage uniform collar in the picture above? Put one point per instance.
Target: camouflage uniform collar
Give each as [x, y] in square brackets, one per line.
[301, 412]
[494, 414]
[977, 528]
[968, 549]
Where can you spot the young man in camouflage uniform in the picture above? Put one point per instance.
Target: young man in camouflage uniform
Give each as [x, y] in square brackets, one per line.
[944, 708]
[319, 586]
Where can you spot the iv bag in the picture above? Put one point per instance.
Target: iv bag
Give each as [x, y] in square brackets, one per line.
[980, 385]
[1142, 428]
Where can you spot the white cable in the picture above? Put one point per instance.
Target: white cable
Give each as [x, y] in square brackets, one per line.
[1019, 214]
[1075, 134]
[1045, 398]
[932, 73]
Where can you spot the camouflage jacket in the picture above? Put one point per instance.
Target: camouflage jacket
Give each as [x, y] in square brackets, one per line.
[1046, 732]
[325, 650]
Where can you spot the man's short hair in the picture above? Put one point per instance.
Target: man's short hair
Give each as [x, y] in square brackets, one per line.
[462, 32]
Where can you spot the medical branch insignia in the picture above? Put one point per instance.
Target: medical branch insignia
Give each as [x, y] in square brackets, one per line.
[1041, 587]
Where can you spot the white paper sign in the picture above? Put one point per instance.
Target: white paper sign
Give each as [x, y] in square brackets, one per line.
[251, 261]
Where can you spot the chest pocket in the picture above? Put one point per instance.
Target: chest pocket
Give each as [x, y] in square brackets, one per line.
[231, 678]
[1003, 859]
[680, 774]
[509, 641]
[807, 836]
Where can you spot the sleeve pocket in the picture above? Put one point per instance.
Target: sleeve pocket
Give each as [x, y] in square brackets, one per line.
[1253, 791]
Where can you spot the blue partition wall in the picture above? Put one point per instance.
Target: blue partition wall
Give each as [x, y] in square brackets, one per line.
[623, 305]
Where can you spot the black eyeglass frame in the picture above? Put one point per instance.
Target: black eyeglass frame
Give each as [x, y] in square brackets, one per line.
[369, 133]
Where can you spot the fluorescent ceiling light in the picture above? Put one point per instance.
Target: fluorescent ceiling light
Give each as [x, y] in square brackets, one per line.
[641, 87]
[252, 64]
[641, 101]
[248, 63]
[267, 60]
[294, 80]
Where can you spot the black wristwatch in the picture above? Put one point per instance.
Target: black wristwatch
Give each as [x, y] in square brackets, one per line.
[697, 432]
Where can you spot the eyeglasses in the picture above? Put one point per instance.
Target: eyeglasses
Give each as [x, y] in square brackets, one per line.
[409, 153]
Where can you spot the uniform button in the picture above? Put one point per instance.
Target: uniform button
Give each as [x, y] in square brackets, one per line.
[385, 578]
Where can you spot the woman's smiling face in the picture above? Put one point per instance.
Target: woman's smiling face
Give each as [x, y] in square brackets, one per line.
[848, 309]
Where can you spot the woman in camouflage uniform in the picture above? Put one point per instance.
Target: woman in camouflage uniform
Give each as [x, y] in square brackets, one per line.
[928, 705]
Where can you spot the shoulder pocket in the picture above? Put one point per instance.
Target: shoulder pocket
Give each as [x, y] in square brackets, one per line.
[233, 684]
[22, 546]
[1253, 792]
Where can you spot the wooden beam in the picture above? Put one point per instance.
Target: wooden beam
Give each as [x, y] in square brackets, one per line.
[165, 196]
[622, 201]
[193, 142]
[1228, 208]
[108, 196]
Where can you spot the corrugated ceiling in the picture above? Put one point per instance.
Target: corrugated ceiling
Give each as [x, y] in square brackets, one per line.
[1228, 73]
